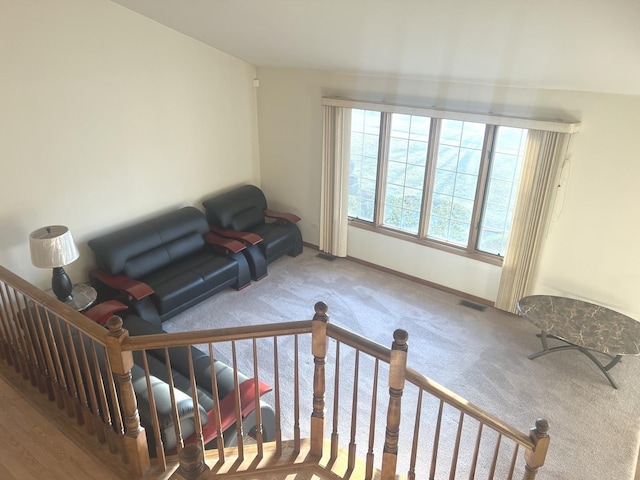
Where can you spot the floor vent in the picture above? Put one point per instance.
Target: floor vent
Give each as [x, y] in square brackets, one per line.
[326, 256]
[475, 306]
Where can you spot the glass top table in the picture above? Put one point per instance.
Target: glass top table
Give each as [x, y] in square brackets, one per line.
[582, 326]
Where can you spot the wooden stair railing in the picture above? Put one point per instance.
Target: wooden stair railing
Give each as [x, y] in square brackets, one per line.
[73, 361]
[428, 430]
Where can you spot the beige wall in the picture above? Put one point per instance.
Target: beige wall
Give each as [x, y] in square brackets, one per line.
[107, 117]
[590, 250]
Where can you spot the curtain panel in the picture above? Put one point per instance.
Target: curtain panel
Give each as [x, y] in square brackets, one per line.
[543, 155]
[335, 180]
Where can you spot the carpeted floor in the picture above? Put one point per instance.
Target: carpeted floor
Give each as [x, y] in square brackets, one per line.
[480, 355]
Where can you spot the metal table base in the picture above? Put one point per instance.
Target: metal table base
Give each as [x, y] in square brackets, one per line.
[570, 346]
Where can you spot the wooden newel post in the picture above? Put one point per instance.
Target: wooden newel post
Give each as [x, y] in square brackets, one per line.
[539, 435]
[397, 373]
[135, 439]
[319, 351]
[192, 466]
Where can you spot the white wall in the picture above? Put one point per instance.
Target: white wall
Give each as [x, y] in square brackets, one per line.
[107, 117]
[590, 250]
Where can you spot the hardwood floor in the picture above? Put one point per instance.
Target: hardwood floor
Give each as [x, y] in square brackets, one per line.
[31, 447]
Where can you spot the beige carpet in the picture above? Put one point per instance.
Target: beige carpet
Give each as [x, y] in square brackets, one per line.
[479, 355]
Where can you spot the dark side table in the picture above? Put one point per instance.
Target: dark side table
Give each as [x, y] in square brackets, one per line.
[582, 326]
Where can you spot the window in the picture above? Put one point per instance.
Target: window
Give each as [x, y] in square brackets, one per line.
[449, 183]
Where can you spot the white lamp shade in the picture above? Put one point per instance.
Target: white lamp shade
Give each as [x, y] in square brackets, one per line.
[52, 247]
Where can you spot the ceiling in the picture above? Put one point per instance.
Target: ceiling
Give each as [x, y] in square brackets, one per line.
[585, 45]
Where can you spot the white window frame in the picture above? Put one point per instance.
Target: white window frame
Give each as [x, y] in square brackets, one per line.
[492, 121]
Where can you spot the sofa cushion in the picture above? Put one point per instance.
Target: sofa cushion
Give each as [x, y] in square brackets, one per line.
[277, 239]
[195, 275]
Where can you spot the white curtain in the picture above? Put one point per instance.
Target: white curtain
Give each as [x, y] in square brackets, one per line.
[335, 180]
[537, 183]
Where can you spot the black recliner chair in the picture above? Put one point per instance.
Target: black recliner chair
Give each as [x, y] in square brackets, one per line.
[242, 214]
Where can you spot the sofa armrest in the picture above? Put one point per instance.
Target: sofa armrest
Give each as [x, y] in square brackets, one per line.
[104, 311]
[246, 237]
[248, 403]
[223, 244]
[134, 288]
[282, 217]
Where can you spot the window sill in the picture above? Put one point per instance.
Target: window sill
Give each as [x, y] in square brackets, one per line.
[479, 256]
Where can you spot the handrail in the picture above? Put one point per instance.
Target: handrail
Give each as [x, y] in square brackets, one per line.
[447, 396]
[360, 343]
[177, 339]
[90, 328]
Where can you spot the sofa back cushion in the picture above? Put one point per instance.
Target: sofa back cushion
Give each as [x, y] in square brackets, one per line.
[238, 209]
[148, 245]
[248, 219]
[141, 265]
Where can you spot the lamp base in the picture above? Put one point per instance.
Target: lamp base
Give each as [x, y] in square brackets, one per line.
[61, 285]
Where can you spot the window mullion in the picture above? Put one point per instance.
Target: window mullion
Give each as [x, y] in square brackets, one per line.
[481, 188]
[383, 161]
[427, 189]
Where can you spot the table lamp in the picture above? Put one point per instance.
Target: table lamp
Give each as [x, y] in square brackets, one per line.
[53, 247]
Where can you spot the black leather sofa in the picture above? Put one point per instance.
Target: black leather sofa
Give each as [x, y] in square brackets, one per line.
[164, 265]
[179, 360]
[242, 214]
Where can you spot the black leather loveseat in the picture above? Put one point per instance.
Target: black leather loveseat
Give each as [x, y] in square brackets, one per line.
[164, 265]
[182, 393]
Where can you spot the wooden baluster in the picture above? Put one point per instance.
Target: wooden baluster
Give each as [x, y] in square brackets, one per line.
[397, 373]
[61, 382]
[476, 452]
[51, 379]
[539, 435]
[174, 407]
[319, 351]
[161, 458]
[336, 410]
[29, 352]
[256, 376]
[37, 379]
[20, 346]
[238, 405]
[135, 439]
[94, 423]
[83, 403]
[42, 371]
[4, 334]
[276, 393]
[351, 461]
[416, 433]
[456, 447]
[436, 442]
[372, 422]
[192, 466]
[100, 372]
[116, 430]
[194, 396]
[296, 395]
[216, 398]
[70, 387]
[514, 458]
